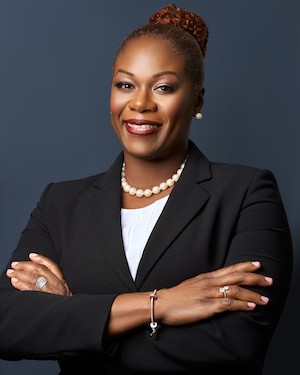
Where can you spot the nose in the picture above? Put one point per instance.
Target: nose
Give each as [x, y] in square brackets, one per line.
[142, 101]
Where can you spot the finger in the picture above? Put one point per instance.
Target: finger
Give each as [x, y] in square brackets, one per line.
[229, 304]
[18, 284]
[237, 267]
[28, 277]
[42, 261]
[33, 268]
[25, 278]
[29, 271]
[52, 266]
[22, 284]
[27, 281]
[244, 278]
[235, 292]
[217, 305]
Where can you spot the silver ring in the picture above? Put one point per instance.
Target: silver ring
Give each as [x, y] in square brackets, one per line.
[224, 289]
[41, 282]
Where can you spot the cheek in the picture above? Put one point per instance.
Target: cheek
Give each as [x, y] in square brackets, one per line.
[117, 103]
[178, 109]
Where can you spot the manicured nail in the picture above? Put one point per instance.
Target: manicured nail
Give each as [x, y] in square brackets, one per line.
[264, 299]
[269, 279]
[251, 305]
[9, 271]
[14, 264]
[33, 254]
[256, 264]
[14, 280]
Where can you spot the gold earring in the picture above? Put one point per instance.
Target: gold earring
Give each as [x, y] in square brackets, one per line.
[198, 116]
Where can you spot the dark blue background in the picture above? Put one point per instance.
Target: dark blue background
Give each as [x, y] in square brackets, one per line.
[55, 70]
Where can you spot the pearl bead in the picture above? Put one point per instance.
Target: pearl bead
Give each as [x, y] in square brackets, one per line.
[163, 186]
[175, 177]
[155, 190]
[170, 182]
[139, 193]
[147, 193]
[132, 191]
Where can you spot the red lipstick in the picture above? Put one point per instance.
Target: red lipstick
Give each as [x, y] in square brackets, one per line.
[141, 127]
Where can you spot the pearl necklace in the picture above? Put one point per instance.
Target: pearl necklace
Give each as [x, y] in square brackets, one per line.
[155, 190]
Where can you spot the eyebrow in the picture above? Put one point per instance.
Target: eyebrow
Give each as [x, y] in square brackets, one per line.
[164, 73]
[125, 72]
[154, 75]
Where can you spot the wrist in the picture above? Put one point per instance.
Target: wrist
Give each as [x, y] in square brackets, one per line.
[153, 322]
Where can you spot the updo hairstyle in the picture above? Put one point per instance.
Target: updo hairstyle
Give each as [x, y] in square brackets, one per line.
[187, 34]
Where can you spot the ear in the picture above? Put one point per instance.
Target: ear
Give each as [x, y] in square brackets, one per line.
[199, 100]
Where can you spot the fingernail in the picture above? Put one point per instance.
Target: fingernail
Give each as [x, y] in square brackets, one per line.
[14, 264]
[256, 263]
[14, 280]
[269, 279]
[264, 299]
[251, 304]
[9, 271]
[33, 254]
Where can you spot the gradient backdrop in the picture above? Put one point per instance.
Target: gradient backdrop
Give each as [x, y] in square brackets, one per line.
[55, 70]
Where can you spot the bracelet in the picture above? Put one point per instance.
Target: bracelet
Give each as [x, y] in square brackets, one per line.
[153, 323]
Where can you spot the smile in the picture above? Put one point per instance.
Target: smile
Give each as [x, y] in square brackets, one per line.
[142, 127]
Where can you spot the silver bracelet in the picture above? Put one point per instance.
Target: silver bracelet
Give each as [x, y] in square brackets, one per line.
[153, 323]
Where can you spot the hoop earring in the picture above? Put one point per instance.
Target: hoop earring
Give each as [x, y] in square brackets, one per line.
[198, 116]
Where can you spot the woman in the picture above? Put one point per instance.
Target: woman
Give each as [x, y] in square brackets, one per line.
[164, 263]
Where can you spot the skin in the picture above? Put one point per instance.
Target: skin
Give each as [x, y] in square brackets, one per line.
[149, 84]
[192, 300]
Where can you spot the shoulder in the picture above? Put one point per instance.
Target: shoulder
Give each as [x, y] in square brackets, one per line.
[77, 184]
[70, 190]
[239, 172]
[243, 180]
[222, 176]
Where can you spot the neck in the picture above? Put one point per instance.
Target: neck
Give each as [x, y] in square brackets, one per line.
[144, 173]
[157, 187]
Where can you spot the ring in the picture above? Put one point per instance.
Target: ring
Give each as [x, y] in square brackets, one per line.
[40, 282]
[224, 290]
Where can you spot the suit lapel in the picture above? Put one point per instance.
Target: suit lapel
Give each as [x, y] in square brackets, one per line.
[104, 212]
[186, 200]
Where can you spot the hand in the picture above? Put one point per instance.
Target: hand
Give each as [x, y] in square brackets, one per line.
[200, 297]
[23, 275]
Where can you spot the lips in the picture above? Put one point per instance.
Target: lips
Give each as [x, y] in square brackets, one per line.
[142, 127]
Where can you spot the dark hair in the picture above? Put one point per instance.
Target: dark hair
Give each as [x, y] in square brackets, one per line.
[187, 34]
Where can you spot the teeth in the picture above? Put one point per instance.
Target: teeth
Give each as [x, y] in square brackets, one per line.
[142, 127]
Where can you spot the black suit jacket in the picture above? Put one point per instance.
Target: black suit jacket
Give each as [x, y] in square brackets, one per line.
[217, 214]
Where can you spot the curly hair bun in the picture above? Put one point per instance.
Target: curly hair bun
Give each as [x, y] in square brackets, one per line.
[182, 18]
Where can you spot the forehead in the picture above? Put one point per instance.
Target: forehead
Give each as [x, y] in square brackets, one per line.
[151, 54]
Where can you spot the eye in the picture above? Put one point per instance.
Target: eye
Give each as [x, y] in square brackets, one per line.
[164, 89]
[124, 85]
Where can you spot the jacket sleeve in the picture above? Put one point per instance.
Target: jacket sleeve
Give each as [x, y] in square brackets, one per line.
[24, 315]
[261, 233]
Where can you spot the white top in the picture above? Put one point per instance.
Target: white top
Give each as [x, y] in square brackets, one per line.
[137, 225]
